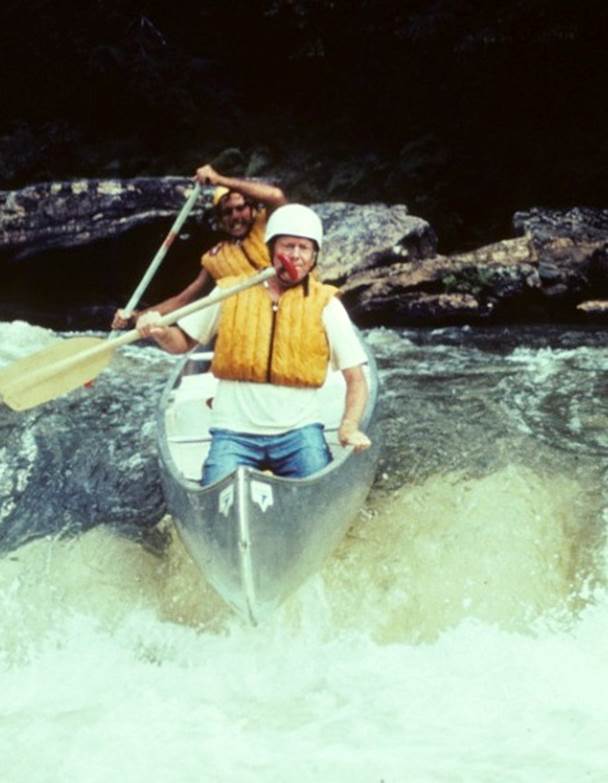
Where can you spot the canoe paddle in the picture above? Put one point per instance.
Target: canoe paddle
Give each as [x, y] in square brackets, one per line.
[160, 254]
[68, 364]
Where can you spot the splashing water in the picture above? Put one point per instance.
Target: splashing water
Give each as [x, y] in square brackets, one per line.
[458, 632]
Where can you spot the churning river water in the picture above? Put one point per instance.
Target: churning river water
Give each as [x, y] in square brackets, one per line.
[459, 633]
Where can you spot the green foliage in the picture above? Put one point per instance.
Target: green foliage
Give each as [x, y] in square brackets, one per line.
[474, 280]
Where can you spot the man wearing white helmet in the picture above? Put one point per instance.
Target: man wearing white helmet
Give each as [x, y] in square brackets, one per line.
[274, 346]
[241, 208]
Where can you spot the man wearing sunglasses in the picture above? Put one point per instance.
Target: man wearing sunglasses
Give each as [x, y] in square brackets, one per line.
[242, 208]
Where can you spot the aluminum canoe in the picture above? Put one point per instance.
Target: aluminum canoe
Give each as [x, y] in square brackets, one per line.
[258, 537]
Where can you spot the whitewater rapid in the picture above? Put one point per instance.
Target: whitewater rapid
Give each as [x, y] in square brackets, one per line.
[457, 634]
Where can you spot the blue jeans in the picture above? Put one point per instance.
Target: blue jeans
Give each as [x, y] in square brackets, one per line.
[296, 453]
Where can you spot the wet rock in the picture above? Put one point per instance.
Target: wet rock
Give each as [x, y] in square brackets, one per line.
[78, 212]
[385, 259]
[85, 458]
[572, 249]
[511, 280]
[581, 224]
[366, 237]
[459, 288]
[548, 271]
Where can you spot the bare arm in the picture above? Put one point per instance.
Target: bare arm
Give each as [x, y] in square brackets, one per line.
[269, 195]
[189, 294]
[349, 433]
[171, 338]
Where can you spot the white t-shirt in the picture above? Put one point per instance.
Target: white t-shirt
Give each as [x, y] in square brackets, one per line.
[269, 409]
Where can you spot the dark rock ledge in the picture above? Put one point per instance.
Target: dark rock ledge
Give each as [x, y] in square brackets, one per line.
[385, 259]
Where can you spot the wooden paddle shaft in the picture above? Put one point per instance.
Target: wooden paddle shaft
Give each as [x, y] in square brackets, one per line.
[68, 364]
[162, 251]
[218, 295]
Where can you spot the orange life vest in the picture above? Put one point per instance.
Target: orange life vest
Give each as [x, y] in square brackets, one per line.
[285, 346]
[243, 257]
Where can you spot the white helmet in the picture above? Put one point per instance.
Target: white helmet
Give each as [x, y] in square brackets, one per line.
[294, 220]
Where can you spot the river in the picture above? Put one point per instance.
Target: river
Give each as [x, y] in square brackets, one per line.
[457, 634]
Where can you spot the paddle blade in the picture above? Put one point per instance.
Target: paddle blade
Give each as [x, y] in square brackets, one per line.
[63, 366]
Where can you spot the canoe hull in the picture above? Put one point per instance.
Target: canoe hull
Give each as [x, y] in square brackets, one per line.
[258, 537]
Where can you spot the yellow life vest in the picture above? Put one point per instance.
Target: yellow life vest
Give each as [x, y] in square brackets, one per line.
[285, 346]
[243, 257]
